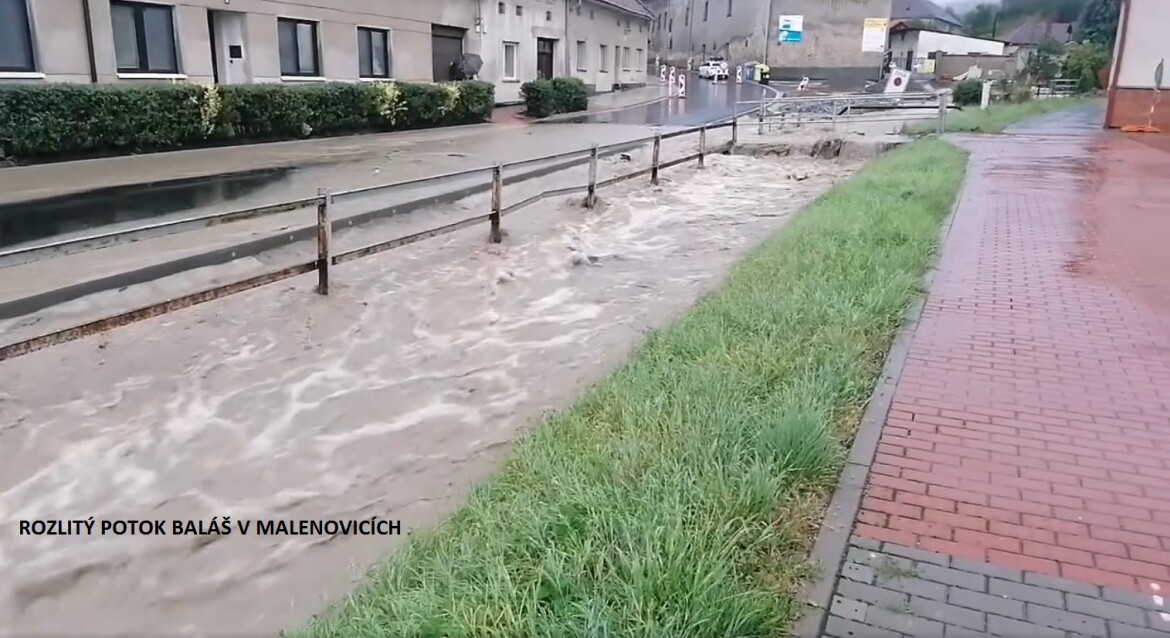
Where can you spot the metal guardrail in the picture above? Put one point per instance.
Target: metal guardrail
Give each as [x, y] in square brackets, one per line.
[326, 258]
[843, 109]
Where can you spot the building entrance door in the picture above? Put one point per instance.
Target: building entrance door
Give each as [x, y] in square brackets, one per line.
[545, 49]
[229, 47]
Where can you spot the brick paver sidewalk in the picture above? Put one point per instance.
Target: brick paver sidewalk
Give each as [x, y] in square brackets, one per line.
[1021, 482]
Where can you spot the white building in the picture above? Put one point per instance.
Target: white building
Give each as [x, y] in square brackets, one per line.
[912, 47]
[603, 42]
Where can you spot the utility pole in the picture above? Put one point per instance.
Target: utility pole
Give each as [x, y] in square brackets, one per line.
[768, 31]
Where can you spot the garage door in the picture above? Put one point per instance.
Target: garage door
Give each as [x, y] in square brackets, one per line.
[446, 48]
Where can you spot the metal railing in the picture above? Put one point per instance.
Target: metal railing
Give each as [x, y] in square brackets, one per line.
[325, 201]
[845, 109]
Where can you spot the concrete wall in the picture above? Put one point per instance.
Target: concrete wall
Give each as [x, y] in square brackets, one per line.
[1145, 43]
[61, 50]
[594, 24]
[948, 66]
[832, 35]
[1134, 60]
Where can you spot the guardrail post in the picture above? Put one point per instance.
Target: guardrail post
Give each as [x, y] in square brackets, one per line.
[324, 239]
[702, 145]
[734, 131]
[654, 159]
[591, 194]
[496, 235]
[760, 116]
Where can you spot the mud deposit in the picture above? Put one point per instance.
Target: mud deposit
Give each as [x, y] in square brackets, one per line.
[390, 398]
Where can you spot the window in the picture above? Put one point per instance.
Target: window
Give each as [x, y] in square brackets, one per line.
[638, 63]
[548, 16]
[510, 51]
[706, 10]
[625, 58]
[582, 56]
[604, 59]
[519, 10]
[16, 52]
[373, 53]
[298, 48]
[729, 2]
[501, 8]
[144, 37]
[670, 27]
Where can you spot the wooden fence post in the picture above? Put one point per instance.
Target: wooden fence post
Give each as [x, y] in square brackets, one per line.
[702, 145]
[324, 239]
[496, 235]
[654, 159]
[591, 196]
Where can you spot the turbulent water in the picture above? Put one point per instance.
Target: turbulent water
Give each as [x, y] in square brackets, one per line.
[390, 398]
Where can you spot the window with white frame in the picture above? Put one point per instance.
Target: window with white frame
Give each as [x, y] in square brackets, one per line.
[511, 51]
[638, 62]
[373, 53]
[604, 60]
[582, 55]
[16, 50]
[625, 58]
[299, 53]
[144, 37]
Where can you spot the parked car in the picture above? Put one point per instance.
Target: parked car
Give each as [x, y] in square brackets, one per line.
[714, 69]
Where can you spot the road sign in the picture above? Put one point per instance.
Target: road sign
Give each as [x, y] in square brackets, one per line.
[791, 29]
[896, 83]
[682, 86]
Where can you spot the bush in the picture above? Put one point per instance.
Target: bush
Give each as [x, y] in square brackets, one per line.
[66, 120]
[968, 93]
[1084, 63]
[543, 98]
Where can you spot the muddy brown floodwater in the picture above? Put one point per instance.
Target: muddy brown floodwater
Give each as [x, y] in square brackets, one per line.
[390, 398]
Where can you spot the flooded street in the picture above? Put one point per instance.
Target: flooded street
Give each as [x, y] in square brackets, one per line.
[392, 397]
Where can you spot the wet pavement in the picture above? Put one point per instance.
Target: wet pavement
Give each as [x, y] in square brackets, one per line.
[1088, 119]
[393, 397]
[1019, 483]
[706, 102]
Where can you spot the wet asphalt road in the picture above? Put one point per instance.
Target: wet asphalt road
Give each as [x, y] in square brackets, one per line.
[1082, 120]
[706, 102]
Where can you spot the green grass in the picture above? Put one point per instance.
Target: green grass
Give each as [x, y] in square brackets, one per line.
[972, 119]
[680, 496]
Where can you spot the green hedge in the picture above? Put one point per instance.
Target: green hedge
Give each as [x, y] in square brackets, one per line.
[66, 120]
[968, 93]
[543, 98]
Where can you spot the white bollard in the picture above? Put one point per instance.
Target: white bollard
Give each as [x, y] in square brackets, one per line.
[985, 98]
[682, 86]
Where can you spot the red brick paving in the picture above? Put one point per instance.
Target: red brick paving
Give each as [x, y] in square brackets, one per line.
[1031, 426]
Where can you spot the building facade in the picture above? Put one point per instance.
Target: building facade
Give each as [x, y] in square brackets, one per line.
[603, 43]
[747, 30]
[912, 47]
[1141, 48]
[300, 41]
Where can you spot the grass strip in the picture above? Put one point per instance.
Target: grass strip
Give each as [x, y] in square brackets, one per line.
[680, 496]
[998, 117]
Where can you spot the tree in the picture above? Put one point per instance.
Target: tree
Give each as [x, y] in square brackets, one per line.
[1098, 22]
[1045, 62]
[1084, 63]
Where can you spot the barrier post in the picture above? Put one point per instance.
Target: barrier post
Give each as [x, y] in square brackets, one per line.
[702, 145]
[324, 239]
[591, 195]
[654, 159]
[734, 130]
[496, 235]
[760, 117]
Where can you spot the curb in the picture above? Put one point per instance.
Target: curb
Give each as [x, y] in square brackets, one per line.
[837, 527]
[564, 117]
[40, 301]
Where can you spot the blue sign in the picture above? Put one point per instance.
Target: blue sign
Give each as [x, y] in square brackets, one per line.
[791, 29]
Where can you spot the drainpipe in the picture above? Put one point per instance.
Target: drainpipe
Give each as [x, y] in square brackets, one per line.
[93, 76]
[568, 72]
